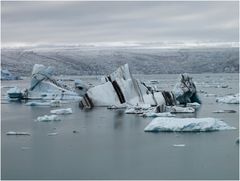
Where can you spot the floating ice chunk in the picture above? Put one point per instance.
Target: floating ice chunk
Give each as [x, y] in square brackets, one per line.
[153, 114]
[14, 90]
[177, 109]
[52, 134]
[186, 124]
[17, 133]
[52, 103]
[225, 111]
[47, 118]
[6, 75]
[55, 103]
[33, 103]
[179, 145]
[231, 99]
[194, 105]
[62, 111]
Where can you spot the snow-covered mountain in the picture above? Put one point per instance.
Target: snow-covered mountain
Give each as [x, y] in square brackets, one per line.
[95, 59]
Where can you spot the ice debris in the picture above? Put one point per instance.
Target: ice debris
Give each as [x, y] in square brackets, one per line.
[52, 134]
[179, 145]
[62, 111]
[47, 118]
[17, 133]
[194, 105]
[230, 99]
[225, 111]
[186, 125]
[52, 103]
[153, 114]
[177, 109]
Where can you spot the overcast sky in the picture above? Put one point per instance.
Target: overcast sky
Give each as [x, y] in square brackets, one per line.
[83, 22]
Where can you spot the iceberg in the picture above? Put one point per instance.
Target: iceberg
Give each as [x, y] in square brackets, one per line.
[186, 125]
[43, 86]
[121, 87]
[47, 118]
[62, 111]
[230, 99]
[185, 90]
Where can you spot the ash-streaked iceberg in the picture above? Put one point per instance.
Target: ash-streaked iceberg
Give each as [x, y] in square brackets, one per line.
[121, 87]
[186, 125]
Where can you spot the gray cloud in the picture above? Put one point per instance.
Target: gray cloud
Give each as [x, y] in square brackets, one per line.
[77, 22]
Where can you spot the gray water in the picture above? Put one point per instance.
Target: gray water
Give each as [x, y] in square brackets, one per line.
[112, 145]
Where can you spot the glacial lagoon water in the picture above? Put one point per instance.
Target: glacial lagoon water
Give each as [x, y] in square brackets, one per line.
[108, 144]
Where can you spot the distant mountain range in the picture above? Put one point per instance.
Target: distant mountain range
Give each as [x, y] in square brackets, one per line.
[103, 59]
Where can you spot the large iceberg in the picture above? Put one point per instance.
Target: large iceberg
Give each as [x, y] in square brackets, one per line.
[121, 87]
[186, 124]
[230, 99]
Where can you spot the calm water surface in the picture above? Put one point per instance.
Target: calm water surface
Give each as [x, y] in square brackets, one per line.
[112, 145]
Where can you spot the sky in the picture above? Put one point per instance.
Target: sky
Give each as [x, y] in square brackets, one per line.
[32, 22]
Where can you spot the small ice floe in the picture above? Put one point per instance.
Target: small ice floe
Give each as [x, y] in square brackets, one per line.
[179, 145]
[225, 111]
[15, 93]
[230, 99]
[194, 105]
[52, 134]
[177, 109]
[186, 125]
[48, 118]
[123, 106]
[153, 114]
[62, 111]
[18, 133]
[33, 103]
[210, 95]
[202, 91]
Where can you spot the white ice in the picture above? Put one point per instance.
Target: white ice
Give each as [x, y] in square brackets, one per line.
[47, 118]
[52, 103]
[186, 124]
[62, 111]
[230, 99]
